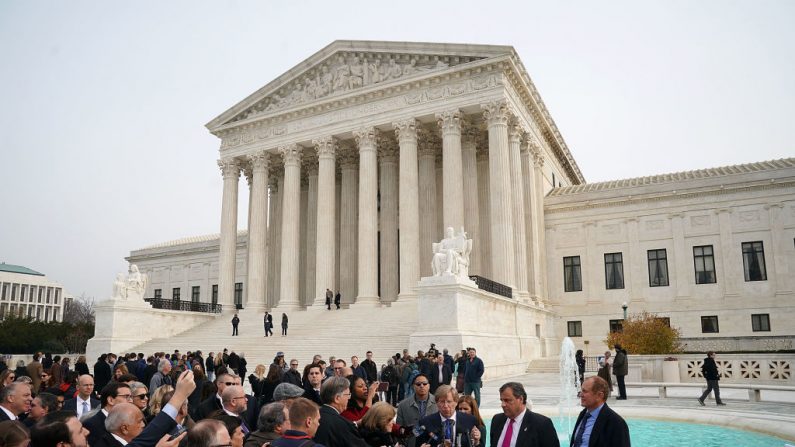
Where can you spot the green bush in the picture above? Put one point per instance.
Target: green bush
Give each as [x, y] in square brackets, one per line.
[24, 335]
[646, 334]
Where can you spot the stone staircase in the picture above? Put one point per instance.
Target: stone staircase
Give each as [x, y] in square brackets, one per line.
[544, 365]
[385, 330]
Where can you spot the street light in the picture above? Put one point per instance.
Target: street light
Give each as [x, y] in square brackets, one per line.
[624, 306]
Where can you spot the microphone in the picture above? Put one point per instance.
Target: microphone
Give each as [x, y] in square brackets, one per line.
[418, 430]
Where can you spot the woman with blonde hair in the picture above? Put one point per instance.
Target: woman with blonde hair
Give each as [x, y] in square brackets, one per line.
[257, 380]
[376, 425]
[156, 402]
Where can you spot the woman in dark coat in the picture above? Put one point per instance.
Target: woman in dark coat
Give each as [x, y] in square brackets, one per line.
[272, 380]
[578, 357]
[284, 325]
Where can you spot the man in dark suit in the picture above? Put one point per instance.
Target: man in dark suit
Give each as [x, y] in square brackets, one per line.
[114, 393]
[84, 401]
[448, 423]
[214, 402]
[440, 374]
[520, 426]
[335, 430]
[15, 399]
[102, 372]
[598, 425]
[314, 379]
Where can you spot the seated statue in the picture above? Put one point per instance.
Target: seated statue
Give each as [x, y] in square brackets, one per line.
[133, 286]
[451, 254]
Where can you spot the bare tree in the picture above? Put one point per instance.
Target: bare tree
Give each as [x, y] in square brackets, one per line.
[79, 310]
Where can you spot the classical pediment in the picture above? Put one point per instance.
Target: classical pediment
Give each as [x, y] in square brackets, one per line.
[346, 66]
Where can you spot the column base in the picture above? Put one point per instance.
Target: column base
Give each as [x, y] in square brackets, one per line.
[367, 301]
[286, 307]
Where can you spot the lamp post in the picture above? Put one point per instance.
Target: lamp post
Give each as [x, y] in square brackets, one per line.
[624, 306]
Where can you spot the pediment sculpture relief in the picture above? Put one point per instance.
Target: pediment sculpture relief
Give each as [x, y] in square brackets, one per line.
[342, 73]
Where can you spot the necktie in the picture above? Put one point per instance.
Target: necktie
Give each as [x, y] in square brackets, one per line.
[581, 430]
[423, 406]
[506, 441]
[243, 427]
[448, 429]
[85, 408]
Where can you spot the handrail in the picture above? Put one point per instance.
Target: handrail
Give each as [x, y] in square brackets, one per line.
[190, 306]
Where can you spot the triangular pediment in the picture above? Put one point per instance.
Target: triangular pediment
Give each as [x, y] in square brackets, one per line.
[346, 66]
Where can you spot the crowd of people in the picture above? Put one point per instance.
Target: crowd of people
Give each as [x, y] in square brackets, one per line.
[189, 399]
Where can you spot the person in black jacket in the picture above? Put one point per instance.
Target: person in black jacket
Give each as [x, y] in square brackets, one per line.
[335, 430]
[710, 371]
[578, 357]
[609, 429]
[535, 430]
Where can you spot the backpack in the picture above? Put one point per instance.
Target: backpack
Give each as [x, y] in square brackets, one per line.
[413, 375]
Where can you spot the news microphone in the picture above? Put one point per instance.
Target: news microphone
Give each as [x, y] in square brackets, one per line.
[418, 430]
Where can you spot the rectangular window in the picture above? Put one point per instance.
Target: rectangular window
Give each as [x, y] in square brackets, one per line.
[572, 274]
[49, 293]
[709, 324]
[238, 293]
[754, 261]
[575, 328]
[57, 295]
[47, 313]
[55, 314]
[158, 294]
[41, 292]
[704, 260]
[194, 294]
[3, 296]
[760, 322]
[666, 321]
[215, 294]
[175, 293]
[13, 292]
[22, 292]
[614, 271]
[617, 325]
[658, 268]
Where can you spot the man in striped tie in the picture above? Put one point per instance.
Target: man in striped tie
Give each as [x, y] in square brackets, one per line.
[598, 425]
[517, 426]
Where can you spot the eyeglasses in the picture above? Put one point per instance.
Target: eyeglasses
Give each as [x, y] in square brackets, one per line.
[420, 383]
[293, 364]
[142, 396]
[228, 383]
[125, 396]
[239, 397]
[346, 394]
[12, 377]
[337, 368]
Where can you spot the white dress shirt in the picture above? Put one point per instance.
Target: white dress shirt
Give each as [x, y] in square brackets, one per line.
[517, 424]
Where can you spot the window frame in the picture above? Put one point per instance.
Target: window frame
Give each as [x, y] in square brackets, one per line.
[757, 320]
[617, 266]
[175, 293]
[754, 249]
[574, 272]
[195, 293]
[703, 256]
[576, 325]
[617, 325]
[660, 262]
[706, 318]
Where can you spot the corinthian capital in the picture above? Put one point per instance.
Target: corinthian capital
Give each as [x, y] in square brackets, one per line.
[259, 161]
[230, 168]
[427, 143]
[366, 138]
[406, 130]
[515, 132]
[291, 154]
[348, 156]
[496, 112]
[388, 150]
[449, 121]
[326, 146]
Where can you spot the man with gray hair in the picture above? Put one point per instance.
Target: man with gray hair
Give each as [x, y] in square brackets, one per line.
[123, 424]
[235, 403]
[161, 377]
[208, 433]
[335, 430]
[274, 420]
[15, 399]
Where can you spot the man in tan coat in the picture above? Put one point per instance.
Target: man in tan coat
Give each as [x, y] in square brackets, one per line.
[34, 371]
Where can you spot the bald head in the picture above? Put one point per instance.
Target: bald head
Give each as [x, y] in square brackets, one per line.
[125, 420]
[234, 399]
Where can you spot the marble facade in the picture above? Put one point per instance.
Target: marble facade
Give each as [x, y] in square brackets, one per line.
[358, 157]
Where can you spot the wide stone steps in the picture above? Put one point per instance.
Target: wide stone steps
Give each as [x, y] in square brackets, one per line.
[544, 365]
[342, 333]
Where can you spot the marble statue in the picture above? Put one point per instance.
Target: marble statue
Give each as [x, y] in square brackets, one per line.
[130, 287]
[451, 254]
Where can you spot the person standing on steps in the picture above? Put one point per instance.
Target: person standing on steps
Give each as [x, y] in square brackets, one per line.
[337, 299]
[329, 297]
[268, 322]
[284, 325]
[235, 322]
[710, 371]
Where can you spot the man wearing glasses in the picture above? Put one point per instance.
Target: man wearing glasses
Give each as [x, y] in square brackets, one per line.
[114, 393]
[417, 406]
[215, 403]
[335, 430]
[85, 401]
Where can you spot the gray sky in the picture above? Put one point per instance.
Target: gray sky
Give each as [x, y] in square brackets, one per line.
[103, 103]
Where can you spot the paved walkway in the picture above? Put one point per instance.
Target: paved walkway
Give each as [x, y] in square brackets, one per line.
[775, 416]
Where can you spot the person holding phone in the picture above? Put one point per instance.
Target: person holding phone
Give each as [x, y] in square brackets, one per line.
[361, 398]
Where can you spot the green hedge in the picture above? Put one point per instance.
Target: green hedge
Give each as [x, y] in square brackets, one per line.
[26, 335]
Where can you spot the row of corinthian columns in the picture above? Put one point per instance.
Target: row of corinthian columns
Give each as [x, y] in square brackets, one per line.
[495, 195]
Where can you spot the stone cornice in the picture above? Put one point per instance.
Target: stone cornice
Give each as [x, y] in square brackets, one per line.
[630, 200]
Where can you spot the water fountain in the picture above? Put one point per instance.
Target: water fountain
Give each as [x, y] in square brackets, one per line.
[569, 403]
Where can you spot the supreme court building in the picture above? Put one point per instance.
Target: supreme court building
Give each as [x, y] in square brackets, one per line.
[359, 157]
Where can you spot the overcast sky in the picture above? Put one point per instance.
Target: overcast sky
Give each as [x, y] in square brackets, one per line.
[103, 103]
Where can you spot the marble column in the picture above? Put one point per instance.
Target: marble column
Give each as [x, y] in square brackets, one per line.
[484, 210]
[439, 177]
[302, 239]
[248, 172]
[389, 280]
[452, 169]
[683, 270]
[349, 212]
[778, 236]
[230, 170]
[291, 218]
[502, 259]
[409, 211]
[427, 197]
[366, 140]
[729, 250]
[538, 160]
[530, 215]
[311, 233]
[515, 133]
[275, 237]
[325, 263]
[470, 188]
[257, 248]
